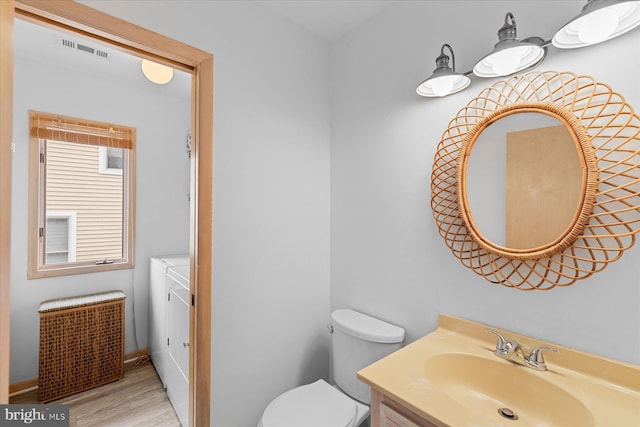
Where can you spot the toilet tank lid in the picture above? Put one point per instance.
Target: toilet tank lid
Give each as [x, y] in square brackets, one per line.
[366, 327]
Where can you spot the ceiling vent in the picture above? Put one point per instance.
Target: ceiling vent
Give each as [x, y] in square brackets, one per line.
[72, 44]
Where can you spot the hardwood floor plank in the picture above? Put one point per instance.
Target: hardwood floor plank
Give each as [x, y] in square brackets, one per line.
[138, 400]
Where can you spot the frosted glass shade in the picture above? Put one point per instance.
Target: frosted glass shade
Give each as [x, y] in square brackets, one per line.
[509, 60]
[443, 85]
[597, 23]
[156, 73]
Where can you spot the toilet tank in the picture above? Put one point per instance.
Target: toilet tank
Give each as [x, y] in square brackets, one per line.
[359, 340]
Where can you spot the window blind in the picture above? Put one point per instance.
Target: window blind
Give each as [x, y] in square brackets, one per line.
[80, 131]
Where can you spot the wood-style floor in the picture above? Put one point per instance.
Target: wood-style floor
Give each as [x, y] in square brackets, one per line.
[138, 400]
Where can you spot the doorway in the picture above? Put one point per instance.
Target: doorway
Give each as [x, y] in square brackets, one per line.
[78, 19]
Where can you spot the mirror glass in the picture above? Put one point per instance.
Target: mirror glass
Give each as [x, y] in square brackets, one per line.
[524, 180]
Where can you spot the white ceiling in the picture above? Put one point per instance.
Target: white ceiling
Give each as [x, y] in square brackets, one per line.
[328, 19]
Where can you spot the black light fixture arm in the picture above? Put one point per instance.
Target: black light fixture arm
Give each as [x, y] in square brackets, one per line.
[508, 30]
[442, 61]
[453, 58]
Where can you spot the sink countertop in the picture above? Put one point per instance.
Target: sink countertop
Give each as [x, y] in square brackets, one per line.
[609, 389]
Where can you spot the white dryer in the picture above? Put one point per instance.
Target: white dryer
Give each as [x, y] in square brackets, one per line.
[178, 309]
[158, 298]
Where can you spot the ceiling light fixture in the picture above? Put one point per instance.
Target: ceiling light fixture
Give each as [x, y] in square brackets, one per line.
[600, 20]
[156, 73]
[444, 80]
[510, 55]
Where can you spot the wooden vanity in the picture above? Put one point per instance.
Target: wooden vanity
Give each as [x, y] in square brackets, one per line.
[386, 412]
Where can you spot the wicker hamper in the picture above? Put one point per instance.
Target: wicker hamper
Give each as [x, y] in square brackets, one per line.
[81, 343]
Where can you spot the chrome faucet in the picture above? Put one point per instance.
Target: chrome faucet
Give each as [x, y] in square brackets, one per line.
[512, 351]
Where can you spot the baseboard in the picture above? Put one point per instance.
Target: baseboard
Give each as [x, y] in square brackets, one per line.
[32, 384]
[23, 386]
[135, 356]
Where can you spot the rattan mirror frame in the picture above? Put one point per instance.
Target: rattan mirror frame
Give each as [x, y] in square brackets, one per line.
[608, 132]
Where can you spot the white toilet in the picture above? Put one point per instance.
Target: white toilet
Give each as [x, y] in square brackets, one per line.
[357, 341]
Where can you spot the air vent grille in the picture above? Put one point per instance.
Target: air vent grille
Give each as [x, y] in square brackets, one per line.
[86, 48]
[68, 43]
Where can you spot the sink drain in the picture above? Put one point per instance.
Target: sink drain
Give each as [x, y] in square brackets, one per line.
[507, 413]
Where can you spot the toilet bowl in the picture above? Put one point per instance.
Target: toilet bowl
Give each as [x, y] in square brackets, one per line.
[314, 405]
[357, 341]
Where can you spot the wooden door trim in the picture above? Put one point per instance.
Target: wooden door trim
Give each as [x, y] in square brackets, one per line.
[6, 120]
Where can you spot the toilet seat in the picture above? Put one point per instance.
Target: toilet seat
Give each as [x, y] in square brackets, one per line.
[313, 405]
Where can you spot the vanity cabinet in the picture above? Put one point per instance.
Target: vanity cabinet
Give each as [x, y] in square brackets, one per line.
[386, 412]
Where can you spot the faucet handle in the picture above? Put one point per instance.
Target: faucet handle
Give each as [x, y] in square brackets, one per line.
[536, 360]
[501, 348]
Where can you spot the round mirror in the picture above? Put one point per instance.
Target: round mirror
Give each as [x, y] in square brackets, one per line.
[471, 180]
[524, 179]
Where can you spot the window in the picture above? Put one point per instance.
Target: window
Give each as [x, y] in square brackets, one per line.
[81, 196]
[110, 160]
[60, 238]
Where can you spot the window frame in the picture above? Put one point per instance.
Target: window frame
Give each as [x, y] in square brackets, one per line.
[100, 134]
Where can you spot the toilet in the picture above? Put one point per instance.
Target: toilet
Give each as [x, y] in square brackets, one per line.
[358, 340]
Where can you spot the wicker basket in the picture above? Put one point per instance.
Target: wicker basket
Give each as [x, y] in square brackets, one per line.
[81, 344]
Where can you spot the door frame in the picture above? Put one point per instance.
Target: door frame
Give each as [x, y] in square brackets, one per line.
[67, 15]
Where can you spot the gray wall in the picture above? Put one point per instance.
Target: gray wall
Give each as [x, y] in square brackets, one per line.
[162, 179]
[307, 135]
[387, 258]
[271, 196]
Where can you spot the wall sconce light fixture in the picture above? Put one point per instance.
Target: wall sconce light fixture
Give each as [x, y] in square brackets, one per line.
[444, 80]
[600, 20]
[510, 55]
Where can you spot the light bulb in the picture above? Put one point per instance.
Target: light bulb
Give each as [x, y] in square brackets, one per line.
[504, 62]
[597, 26]
[442, 86]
